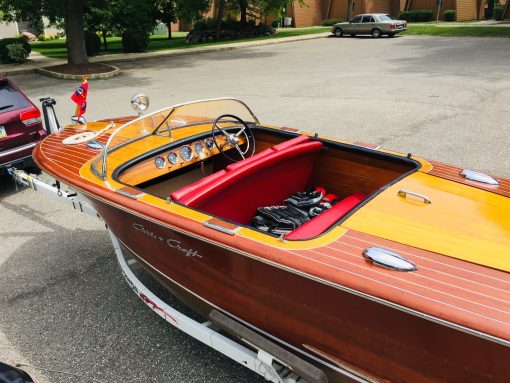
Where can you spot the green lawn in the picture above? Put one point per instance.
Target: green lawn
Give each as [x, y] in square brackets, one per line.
[469, 31]
[57, 48]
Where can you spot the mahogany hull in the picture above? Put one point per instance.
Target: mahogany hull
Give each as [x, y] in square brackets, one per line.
[324, 324]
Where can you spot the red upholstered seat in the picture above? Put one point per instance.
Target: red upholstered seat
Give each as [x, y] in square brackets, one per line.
[253, 158]
[295, 141]
[322, 222]
[178, 194]
[267, 181]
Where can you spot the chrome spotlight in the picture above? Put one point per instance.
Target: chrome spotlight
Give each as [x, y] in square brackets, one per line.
[140, 103]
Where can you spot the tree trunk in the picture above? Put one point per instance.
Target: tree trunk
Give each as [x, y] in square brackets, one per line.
[75, 38]
[105, 43]
[219, 16]
[490, 9]
[350, 4]
[169, 26]
[243, 7]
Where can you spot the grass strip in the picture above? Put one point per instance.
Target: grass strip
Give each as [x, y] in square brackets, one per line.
[57, 48]
[457, 31]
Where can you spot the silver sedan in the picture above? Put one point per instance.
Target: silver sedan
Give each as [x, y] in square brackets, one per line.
[375, 24]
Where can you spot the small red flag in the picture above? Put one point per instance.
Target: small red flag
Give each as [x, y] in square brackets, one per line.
[80, 97]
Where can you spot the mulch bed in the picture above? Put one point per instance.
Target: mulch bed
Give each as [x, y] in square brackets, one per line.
[90, 68]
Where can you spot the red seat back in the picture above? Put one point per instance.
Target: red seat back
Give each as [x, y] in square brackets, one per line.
[323, 221]
[268, 181]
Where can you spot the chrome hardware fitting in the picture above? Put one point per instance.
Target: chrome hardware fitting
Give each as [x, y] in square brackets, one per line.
[388, 259]
[219, 227]
[479, 177]
[405, 193]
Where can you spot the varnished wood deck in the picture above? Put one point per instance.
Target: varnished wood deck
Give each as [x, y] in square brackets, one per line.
[69, 157]
[453, 173]
[446, 288]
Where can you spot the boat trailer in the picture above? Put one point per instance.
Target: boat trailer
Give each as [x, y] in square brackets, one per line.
[262, 356]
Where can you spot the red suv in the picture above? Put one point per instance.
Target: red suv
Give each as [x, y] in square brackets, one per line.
[20, 127]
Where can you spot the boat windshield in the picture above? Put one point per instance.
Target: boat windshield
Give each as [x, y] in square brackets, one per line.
[164, 121]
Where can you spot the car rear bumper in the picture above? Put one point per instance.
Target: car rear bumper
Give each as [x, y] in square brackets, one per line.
[15, 156]
[395, 30]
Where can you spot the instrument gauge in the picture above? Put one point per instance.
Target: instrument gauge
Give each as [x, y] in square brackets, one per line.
[172, 158]
[199, 148]
[160, 162]
[186, 152]
[209, 142]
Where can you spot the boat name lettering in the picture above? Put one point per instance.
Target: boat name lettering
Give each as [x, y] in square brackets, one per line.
[173, 243]
[177, 245]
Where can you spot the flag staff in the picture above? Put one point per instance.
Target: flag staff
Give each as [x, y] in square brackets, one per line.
[77, 110]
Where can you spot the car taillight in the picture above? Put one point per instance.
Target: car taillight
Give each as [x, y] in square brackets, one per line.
[31, 117]
[393, 26]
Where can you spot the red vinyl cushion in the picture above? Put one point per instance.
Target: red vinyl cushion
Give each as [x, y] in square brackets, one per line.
[295, 141]
[253, 158]
[265, 182]
[322, 222]
[178, 194]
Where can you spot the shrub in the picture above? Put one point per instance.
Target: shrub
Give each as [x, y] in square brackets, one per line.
[92, 43]
[331, 22]
[135, 40]
[205, 24]
[276, 22]
[449, 15]
[4, 53]
[17, 53]
[417, 15]
[498, 13]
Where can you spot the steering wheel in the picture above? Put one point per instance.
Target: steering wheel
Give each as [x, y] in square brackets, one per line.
[232, 137]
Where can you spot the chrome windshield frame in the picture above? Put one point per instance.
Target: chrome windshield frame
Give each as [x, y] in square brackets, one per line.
[171, 109]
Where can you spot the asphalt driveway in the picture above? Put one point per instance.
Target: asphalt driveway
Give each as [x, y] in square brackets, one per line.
[64, 304]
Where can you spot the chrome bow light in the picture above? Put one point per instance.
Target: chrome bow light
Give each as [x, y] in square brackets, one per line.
[479, 177]
[140, 103]
[388, 259]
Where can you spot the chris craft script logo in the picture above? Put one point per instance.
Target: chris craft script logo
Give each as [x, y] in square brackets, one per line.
[173, 243]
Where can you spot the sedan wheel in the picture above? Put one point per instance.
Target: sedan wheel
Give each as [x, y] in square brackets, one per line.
[376, 33]
[338, 32]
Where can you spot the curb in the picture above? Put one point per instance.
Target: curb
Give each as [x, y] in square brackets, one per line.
[123, 57]
[208, 49]
[65, 76]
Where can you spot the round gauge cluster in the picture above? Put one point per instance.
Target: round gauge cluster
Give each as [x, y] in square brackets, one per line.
[186, 152]
[160, 162]
[199, 148]
[172, 158]
[209, 142]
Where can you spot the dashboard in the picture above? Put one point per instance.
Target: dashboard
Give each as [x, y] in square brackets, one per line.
[193, 152]
[173, 159]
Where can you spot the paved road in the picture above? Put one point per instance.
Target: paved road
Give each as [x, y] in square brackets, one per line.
[64, 305]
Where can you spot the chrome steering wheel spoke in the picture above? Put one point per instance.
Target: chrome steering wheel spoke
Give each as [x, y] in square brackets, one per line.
[232, 138]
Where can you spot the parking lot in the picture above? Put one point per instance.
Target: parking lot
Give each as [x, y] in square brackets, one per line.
[65, 305]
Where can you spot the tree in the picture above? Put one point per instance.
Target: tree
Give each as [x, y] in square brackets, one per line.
[99, 17]
[166, 14]
[136, 19]
[75, 38]
[70, 11]
[219, 17]
[191, 10]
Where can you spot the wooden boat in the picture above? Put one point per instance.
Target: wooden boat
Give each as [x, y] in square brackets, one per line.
[405, 279]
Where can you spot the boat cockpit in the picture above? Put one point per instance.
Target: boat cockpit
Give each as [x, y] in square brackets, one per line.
[214, 156]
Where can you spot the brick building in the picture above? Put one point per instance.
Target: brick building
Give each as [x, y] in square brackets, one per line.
[319, 10]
